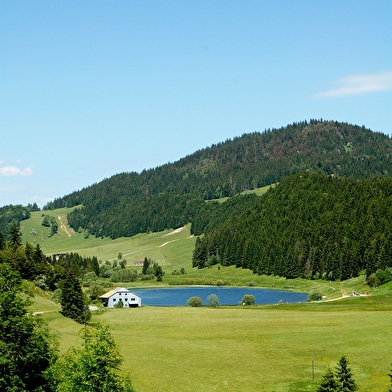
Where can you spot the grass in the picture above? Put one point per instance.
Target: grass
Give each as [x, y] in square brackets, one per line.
[262, 348]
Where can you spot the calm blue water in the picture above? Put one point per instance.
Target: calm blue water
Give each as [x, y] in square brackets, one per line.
[179, 296]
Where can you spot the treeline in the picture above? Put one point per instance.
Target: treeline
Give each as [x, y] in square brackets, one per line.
[311, 225]
[16, 213]
[32, 264]
[170, 195]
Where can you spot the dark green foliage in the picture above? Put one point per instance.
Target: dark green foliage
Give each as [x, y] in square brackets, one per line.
[344, 376]
[172, 195]
[328, 382]
[248, 299]
[195, 302]
[95, 367]
[146, 264]
[26, 348]
[46, 221]
[314, 296]
[14, 235]
[2, 241]
[72, 300]
[311, 226]
[12, 213]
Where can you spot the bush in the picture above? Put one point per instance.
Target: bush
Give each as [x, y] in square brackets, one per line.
[195, 302]
[248, 299]
[314, 296]
[119, 304]
[213, 301]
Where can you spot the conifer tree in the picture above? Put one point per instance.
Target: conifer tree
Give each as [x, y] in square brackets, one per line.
[344, 376]
[2, 242]
[72, 300]
[14, 235]
[328, 382]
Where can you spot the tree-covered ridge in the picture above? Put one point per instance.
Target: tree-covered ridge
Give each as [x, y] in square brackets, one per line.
[311, 225]
[170, 195]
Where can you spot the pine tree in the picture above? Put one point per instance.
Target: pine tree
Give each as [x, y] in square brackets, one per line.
[344, 376]
[72, 301]
[14, 235]
[328, 382]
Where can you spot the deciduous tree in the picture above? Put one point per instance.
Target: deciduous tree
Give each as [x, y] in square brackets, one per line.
[94, 367]
[26, 348]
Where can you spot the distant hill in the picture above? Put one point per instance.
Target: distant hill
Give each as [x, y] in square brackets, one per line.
[173, 194]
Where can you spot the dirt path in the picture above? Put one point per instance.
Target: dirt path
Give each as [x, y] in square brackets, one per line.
[63, 227]
[168, 242]
[175, 231]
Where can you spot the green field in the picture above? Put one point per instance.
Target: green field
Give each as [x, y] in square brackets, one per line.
[263, 348]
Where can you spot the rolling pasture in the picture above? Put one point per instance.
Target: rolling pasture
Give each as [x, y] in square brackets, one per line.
[260, 348]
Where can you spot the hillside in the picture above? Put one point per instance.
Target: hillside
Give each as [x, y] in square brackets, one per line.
[311, 225]
[172, 195]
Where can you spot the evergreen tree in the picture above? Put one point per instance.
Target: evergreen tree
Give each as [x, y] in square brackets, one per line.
[2, 242]
[72, 300]
[92, 368]
[344, 376]
[146, 264]
[14, 235]
[328, 382]
[26, 348]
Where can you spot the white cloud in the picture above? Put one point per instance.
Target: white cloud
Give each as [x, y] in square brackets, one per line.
[8, 171]
[359, 84]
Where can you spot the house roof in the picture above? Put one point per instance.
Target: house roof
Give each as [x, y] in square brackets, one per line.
[116, 290]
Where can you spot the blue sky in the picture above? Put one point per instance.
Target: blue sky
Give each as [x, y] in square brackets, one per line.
[89, 89]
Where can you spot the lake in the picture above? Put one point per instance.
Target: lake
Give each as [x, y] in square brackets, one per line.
[179, 296]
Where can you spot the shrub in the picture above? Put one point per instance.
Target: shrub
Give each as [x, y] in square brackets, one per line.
[248, 299]
[119, 304]
[213, 301]
[314, 296]
[195, 302]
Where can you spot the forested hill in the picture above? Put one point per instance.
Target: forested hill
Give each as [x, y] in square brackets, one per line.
[311, 225]
[170, 195]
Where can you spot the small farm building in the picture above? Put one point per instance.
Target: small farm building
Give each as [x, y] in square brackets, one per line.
[113, 297]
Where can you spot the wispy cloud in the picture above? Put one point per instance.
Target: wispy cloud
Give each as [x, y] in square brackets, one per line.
[359, 84]
[8, 171]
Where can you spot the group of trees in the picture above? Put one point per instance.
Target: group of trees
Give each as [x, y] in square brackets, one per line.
[311, 225]
[340, 380]
[29, 358]
[171, 195]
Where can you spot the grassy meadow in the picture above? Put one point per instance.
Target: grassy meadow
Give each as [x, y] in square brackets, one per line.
[261, 348]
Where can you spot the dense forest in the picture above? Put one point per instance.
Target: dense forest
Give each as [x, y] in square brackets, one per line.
[311, 225]
[173, 194]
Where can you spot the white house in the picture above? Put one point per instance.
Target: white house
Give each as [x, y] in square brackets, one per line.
[113, 297]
